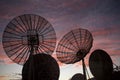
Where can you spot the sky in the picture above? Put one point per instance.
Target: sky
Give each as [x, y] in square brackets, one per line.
[100, 17]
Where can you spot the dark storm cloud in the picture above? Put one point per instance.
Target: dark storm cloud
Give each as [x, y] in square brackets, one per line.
[109, 7]
[12, 7]
[95, 13]
[91, 14]
[64, 15]
[58, 9]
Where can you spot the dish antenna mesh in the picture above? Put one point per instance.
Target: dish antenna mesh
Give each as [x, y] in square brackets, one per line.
[74, 46]
[28, 34]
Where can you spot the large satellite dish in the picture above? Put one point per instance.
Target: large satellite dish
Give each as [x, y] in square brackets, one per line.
[101, 65]
[27, 35]
[74, 46]
[44, 67]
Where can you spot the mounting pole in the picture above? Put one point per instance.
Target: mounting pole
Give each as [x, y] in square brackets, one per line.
[84, 72]
[31, 64]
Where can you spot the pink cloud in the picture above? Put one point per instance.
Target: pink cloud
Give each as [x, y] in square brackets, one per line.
[104, 32]
[5, 60]
[3, 57]
[110, 45]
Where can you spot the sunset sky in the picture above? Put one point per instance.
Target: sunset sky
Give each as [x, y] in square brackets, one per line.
[100, 17]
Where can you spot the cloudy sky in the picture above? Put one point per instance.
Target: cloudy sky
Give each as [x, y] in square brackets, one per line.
[100, 17]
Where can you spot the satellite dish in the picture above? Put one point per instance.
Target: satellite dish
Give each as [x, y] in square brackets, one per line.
[74, 46]
[101, 65]
[26, 35]
[78, 76]
[45, 68]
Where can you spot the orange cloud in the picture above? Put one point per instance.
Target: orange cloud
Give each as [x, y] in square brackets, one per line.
[14, 76]
[3, 77]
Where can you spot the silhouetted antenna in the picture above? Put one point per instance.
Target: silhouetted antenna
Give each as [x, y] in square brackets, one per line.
[45, 68]
[92, 78]
[26, 35]
[74, 46]
[78, 76]
[101, 65]
[116, 75]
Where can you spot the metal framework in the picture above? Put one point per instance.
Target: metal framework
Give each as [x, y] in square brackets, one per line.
[74, 46]
[28, 34]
